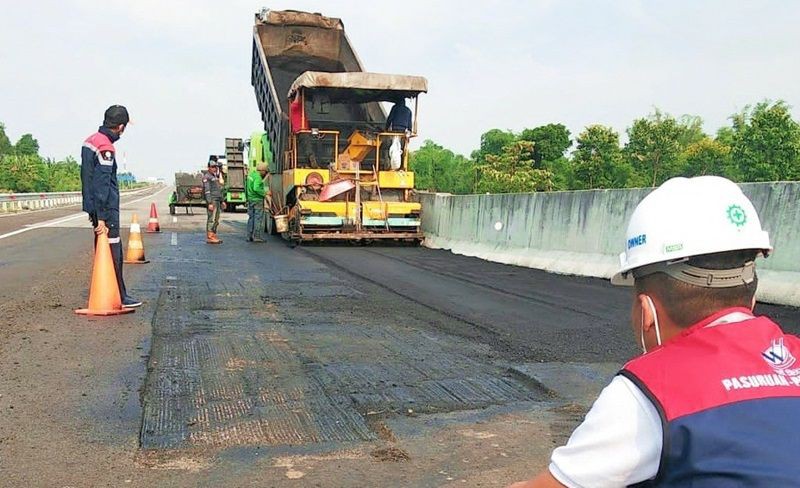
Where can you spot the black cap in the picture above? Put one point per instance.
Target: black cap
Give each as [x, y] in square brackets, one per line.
[115, 115]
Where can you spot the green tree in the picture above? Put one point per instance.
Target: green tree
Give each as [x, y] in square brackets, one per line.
[23, 170]
[725, 135]
[654, 147]
[23, 173]
[597, 161]
[5, 143]
[63, 175]
[691, 130]
[551, 141]
[709, 157]
[492, 143]
[27, 146]
[513, 171]
[439, 169]
[766, 143]
[563, 173]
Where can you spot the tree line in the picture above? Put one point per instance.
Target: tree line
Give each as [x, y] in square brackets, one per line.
[762, 143]
[23, 170]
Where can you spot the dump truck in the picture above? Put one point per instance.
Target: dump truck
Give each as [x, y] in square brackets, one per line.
[338, 171]
[188, 192]
[234, 174]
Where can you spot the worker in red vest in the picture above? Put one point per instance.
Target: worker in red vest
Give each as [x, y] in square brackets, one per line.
[713, 400]
[100, 188]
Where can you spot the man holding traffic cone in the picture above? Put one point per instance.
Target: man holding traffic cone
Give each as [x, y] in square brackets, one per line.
[152, 224]
[135, 254]
[100, 189]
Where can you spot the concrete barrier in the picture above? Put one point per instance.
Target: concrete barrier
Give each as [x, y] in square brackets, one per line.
[582, 232]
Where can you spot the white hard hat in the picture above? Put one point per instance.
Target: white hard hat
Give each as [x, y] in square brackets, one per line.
[688, 217]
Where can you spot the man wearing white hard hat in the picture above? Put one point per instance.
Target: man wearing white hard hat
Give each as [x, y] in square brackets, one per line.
[714, 399]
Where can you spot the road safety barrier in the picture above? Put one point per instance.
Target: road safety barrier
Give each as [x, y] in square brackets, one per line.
[582, 232]
[17, 202]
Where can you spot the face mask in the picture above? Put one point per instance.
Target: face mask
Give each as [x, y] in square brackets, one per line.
[655, 320]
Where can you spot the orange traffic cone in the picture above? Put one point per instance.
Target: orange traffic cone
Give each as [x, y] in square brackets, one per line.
[152, 225]
[135, 254]
[104, 296]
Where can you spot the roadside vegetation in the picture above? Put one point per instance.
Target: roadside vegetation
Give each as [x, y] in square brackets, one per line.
[23, 170]
[762, 143]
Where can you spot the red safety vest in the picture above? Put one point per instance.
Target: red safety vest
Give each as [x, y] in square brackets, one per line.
[729, 400]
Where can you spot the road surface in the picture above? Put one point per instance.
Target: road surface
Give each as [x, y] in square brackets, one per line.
[261, 365]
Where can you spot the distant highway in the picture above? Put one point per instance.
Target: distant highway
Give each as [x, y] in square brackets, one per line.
[12, 224]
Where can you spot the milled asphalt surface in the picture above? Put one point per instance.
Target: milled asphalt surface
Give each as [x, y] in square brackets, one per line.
[262, 365]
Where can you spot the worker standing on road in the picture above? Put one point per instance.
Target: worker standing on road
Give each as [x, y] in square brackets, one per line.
[100, 188]
[212, 189]
[255, 202]
[713, 400]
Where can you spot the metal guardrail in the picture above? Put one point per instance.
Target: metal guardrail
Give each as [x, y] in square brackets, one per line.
[16, 202]
[13, 197]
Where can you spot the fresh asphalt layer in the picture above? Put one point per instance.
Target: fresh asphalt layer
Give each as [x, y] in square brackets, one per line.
[525, 314]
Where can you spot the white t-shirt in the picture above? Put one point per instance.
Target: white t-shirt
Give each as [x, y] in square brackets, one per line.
[619, 442]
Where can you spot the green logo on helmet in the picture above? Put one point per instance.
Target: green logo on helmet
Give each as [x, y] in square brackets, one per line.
[737, 216]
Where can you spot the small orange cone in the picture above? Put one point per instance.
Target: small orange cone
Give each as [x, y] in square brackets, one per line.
[104, 296]
[135, 253]
[152, 224]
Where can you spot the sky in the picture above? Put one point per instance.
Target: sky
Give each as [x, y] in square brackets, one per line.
[183, 67]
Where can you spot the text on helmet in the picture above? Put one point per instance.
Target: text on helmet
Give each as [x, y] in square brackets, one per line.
[637, 241]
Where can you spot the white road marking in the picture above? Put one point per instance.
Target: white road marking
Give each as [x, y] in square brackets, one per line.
[71, 217]
[174, 240]
[174, 219]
